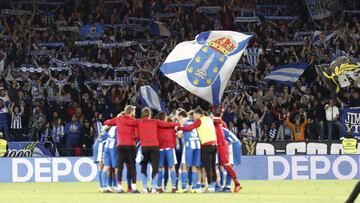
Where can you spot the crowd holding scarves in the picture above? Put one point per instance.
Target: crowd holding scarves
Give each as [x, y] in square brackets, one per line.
[91, 61]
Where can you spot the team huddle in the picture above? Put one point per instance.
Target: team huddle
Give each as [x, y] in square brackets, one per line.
[195, 148]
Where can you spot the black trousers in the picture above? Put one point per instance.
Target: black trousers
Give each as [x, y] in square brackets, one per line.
[126, 155]
[354, 193]
[152, 155]
[208, 158]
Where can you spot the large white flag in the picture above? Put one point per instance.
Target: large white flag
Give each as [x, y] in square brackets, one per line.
[204, 66]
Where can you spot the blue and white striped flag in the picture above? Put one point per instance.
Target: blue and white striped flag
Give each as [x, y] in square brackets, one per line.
[252, 55]
[204, 66]
[328, 35]
[287, 74]
[150, 98]
[159, 29]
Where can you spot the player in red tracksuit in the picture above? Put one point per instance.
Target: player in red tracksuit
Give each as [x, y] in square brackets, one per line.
[126, 142]
[223, 153]
[167, 142]
[149, 142]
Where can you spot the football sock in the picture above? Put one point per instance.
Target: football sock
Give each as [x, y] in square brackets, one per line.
[114, 181]
[128, 178]
[104, 178]
[228, 180]
[166, 178]
[109, 179]
[160, 178]
[173, 178]
[222, 178]
[100, 179]
[154, 182]
[144, 181]
[184, 176]
[194, 178]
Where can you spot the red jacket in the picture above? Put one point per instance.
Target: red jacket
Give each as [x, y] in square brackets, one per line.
[167, 138]
[148, 130]
[219, 132]
[126, 135]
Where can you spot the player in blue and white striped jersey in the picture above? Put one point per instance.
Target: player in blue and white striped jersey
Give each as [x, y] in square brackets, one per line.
[191, 156]
[110, 159]
[98, 157]
[235, 153]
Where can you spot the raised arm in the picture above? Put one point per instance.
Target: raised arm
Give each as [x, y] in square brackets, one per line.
[274, 112]
[304, 124]
[196, 124]
[289, 123]
[12, 107]
[133, 123]
[22, 107]
[111, 122]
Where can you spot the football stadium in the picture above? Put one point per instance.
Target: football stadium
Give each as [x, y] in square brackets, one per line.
[179, 101]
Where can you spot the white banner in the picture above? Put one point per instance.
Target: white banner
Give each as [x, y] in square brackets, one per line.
[320, 9]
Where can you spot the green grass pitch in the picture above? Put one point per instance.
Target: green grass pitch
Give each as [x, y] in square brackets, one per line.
[254, 191]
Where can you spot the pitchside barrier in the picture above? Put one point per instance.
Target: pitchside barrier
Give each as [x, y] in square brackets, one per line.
[253, 147]
[249, 147]
[275, 167]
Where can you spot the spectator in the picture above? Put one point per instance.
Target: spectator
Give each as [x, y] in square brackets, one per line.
[37, 121]
[229, 115]
[281, 118]
[354, 100]
[46, 133]
[58, 133]
[16, 127]
[318, 117]
[72, 134]
[297, 128]
[246, 131]
[87, 88]
[332, 118]
[87, 137]
[255, 123]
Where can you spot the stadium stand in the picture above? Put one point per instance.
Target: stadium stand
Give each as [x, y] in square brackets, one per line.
[65, 67]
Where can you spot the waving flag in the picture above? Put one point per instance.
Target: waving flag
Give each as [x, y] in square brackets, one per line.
[252, 55]
[159, 28]
[287, 74]
[343, 72]
[203, 66]
[150, 98]
[327, 35]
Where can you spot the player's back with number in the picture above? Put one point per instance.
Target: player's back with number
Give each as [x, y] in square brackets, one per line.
[191, 137]
[110, 152]
[110, 142]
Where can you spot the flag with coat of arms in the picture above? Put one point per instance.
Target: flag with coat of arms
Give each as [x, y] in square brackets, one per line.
[204, 66]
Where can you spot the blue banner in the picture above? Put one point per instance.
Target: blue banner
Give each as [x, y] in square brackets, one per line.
[29, 149]
[350, 117]
[92, 31]
[299, 167]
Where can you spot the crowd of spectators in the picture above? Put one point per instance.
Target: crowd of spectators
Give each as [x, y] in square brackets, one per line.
[45, 97]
